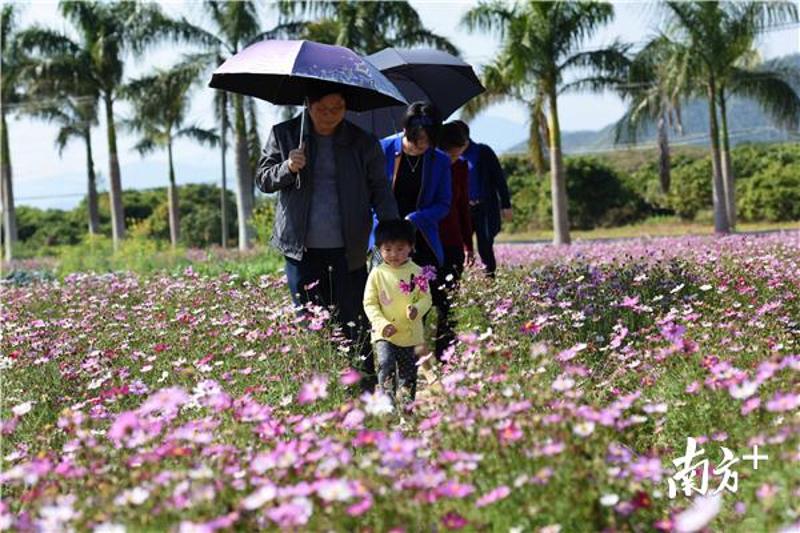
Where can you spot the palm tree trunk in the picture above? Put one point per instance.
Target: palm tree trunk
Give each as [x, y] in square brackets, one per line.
[718, 188]
[172, 199]
[558, 186]
[244, 177]
[728, 179]
[91, 198]
[115, 182]
[7, 194]
[663, 154]
[224, 191]
[535, 148]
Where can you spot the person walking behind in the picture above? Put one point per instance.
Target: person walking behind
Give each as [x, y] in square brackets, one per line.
[455, 231]
[419, 175]
[488, 197]
[328, 184]
[396, 298]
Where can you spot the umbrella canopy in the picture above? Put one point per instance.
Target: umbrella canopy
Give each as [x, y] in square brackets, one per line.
[429, 75]
[283, 72]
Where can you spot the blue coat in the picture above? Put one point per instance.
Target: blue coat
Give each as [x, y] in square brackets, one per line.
[434, 199]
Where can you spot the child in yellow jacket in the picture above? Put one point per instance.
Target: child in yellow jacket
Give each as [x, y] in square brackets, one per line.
[396, 298]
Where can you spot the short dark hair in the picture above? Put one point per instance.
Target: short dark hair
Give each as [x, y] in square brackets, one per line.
[395, 230]
[422, 117]
[316, 91]
[463, 125]
[452, 135]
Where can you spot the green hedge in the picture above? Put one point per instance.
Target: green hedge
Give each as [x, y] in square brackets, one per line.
[602, 192]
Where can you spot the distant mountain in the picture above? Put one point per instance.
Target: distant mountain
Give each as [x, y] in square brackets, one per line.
[746, 123]
[499, 133]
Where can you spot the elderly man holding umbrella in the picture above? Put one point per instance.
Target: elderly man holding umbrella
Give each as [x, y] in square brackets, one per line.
[328, 175]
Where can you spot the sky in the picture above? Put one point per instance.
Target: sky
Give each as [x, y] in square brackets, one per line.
[43, 179]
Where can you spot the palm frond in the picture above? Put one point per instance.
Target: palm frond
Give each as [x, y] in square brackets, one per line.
[774, 92]
[145, 146]
[489, 17]
[204, 136]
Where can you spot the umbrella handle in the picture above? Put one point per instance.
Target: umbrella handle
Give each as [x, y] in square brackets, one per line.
[302, 130]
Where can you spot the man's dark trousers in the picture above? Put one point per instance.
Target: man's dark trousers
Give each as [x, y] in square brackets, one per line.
[480, 225]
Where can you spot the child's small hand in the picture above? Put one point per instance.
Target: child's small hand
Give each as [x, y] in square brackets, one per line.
[411, 312]
[389, 330]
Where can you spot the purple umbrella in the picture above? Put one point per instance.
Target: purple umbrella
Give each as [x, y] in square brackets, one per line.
[282, 72]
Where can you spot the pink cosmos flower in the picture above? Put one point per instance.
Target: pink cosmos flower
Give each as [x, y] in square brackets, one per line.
[673, 332]
[349, 377]
[406, 287]
[646, 468]
[361, 507]
[164, 403]
[783, 402]
[454, 521]
[397, 451]
[454, 489]
[766, 491]
[750, 405]
[492, 496]
[354, 419]
[428, 273]
[314, 390]
[294, 513]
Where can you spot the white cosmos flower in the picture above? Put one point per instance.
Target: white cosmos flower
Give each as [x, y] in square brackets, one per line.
[377, 403]
[743, 391]
[22, 409]
[563, 383]
[583, 429]
[107, 527]
[609, 500]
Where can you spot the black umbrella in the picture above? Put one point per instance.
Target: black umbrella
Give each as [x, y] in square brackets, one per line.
[429, 75]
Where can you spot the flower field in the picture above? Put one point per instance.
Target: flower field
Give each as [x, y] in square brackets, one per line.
[200, 403]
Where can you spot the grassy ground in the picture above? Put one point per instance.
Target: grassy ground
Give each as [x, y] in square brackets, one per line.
[653, 227]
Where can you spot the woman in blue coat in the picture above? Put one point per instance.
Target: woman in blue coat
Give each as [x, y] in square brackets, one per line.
[419, 175]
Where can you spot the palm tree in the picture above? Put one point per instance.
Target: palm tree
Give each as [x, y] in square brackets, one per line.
[160, 103]
[106, 32]
[541, 44]
[500, 88]
[365, 27]
[654, 88]
[12, 66]
[769, 87]
[235, 25]
[61, 95]
[75, 116]
[718, 38]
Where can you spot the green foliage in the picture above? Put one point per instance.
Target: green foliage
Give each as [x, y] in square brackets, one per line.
[147, 216]
[96, 254]
[40, 229]
[263, 218]
[772, 194]
[598, 197]
[690, 191]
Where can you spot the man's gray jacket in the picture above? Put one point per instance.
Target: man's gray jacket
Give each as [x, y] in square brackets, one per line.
[361, 185]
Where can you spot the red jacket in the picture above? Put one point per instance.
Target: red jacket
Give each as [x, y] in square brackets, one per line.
[455, 230]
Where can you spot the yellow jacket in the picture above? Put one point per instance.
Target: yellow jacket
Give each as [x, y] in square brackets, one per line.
[385, 303]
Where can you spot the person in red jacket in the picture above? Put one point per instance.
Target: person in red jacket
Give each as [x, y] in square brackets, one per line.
[455, 232]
